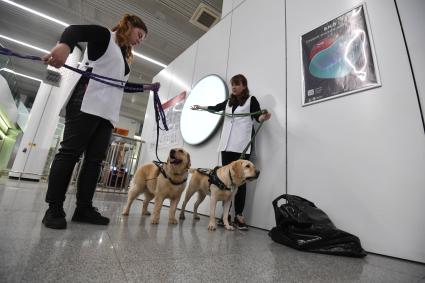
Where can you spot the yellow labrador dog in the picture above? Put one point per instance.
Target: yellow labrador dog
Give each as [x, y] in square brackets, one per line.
[160, 181]
[221, 184]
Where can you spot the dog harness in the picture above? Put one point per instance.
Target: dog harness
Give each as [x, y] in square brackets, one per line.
[161, 169]
[214, 179]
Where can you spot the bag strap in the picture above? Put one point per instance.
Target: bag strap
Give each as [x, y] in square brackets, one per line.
[298, 198]
[284, 196]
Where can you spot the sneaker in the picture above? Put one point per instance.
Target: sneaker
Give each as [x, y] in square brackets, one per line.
[89, 215]
[239, 223]
[221, 223]
[54, 218]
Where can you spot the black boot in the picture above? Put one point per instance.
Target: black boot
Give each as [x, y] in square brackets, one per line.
[89, 214]
[55, 217]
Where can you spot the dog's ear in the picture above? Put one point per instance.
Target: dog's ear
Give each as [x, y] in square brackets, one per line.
[189, 163]
[237, 170]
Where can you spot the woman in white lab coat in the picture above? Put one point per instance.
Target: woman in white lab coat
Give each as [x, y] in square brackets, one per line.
[91, 111]
[236, 133]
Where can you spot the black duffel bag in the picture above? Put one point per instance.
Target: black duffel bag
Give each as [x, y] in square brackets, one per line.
[303, 226]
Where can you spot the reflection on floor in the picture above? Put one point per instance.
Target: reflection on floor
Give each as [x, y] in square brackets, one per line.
[132, 250]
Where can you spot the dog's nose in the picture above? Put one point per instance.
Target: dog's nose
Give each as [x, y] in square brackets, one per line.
[257, 173]
[172, 152]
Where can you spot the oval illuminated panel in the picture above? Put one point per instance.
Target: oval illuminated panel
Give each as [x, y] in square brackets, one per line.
[197, 126]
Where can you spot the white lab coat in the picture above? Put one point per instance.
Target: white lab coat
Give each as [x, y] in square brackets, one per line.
[236, 132]
[100, 99]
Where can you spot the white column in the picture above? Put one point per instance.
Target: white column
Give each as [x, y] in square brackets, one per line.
[43, 119]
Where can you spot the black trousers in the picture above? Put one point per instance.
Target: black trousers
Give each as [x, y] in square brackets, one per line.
[226, 158]
[83, 133]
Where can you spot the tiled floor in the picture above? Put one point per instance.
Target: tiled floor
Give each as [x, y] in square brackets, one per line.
[132, 250]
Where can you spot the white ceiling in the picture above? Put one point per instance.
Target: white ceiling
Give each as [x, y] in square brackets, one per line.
[170, 33]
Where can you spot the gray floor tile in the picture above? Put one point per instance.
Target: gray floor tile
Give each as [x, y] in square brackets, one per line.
[256, 268]
[130, 249]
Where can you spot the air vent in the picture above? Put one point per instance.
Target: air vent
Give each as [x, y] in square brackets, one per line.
[205, 17]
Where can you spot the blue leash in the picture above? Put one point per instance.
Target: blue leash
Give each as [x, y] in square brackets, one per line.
[159, 111]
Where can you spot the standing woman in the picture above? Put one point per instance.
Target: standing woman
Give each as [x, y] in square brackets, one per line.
[236, 133]
[91, 110]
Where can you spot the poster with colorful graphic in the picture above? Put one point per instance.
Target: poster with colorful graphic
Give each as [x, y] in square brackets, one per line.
[338, 58]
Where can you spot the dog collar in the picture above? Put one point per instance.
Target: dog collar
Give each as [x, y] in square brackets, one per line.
[161, 169]
[214, 179]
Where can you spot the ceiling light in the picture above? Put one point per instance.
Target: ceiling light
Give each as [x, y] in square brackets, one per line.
[65, 25]
[24, 44]
[175, 79]
[36, 13]
[149, 59]
[19, 74]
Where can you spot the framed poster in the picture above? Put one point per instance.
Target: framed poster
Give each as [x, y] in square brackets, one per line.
[338, 58]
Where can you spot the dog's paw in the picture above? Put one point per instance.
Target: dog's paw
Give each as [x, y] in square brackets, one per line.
[212, 227]
[147, 213]
[172, 221]
[230, 228]
[154, 221]
[196, 217]
[182, 217]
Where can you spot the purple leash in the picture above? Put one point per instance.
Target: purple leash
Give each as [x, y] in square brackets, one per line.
[159, 111]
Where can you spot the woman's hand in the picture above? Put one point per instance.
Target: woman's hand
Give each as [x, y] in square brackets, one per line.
[197, 107]
[58, 55]
[265, 116]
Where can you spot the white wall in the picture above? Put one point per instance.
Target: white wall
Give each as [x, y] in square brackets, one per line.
[359, 157]
[412, 18]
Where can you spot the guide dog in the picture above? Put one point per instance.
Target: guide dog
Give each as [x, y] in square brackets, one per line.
[221, 184]
[160, 181]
